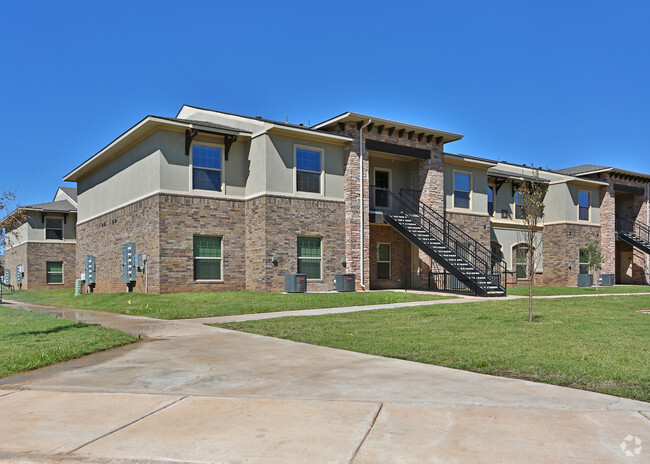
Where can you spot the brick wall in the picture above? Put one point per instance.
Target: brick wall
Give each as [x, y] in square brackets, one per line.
[163, 226]
[562, 243]
[400, 259]
[34, 256]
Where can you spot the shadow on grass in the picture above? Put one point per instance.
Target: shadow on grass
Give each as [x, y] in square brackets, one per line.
[53, 329]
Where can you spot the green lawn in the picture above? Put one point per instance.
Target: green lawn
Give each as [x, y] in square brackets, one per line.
[32, 340]
[598, 344]
[204, 304]
[551, 291]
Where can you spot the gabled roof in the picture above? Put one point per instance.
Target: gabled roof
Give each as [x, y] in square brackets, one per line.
[61, 206]
[582, 169]
[358, 117]
[70, 191]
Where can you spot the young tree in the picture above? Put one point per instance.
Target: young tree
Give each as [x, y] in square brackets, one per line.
[594, 254]
[531, 212]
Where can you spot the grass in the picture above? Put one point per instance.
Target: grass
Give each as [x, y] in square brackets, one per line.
[597, 344]
[206, 304]
[32, 340]
[553, 291]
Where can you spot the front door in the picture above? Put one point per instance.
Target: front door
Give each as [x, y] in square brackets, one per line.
[626, 267]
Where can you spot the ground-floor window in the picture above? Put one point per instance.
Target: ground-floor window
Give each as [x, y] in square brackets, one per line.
[309, 257]
[207, 258]
[54, 272]
[383, 261]
[584, 262]
[521, 261]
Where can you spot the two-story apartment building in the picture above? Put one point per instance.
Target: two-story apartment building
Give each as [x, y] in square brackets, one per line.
[219, 201]
[43, 247]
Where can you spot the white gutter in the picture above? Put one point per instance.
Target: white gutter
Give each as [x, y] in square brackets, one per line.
[361, 211]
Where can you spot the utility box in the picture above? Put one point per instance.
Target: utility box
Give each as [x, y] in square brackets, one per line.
[607, 280]
[89, 270]
[295, 283]
[19, 274]
[344, 282]
[585, 280]
[129, 269]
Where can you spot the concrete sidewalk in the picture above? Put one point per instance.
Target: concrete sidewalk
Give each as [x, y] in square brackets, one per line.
[193, 393]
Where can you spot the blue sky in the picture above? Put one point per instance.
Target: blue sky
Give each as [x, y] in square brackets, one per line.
[551, 83]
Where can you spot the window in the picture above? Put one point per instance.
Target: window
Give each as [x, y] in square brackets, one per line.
[382, 181]
[53, 229]
[206, 168]
[584, 262]
[490, 193]
[521, 261]
[520, 211]
[383, 261]
[583, 205]
[207, 258]
[309, 257]
[54, 272]
[308, 170]
[462, 183]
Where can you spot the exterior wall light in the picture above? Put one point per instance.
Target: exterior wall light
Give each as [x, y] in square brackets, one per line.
[274, 260]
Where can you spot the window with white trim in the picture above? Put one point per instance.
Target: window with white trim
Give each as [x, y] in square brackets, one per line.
[309, 167]
[583, 267]
[208, 262]
[490, 195]
[520, 210]
[207, 167]
[309, 257]
[584, 201]
[520, 253]
[53, 229]
[462, 189]
[383, 261]
[54, 272]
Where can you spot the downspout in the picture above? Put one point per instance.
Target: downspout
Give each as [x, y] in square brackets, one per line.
[361, 212]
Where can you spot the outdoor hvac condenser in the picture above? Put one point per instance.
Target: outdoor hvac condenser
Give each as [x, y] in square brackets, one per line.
[295, 283]
[344, 282]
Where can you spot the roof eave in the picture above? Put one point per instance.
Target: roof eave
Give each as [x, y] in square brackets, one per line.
[308, 133]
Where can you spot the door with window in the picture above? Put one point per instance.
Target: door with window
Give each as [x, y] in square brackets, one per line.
[382, 184]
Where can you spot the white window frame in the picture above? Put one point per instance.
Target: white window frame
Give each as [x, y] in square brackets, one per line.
[215, 193]
[390, 260]
[580, 263]
[298, 258]
[54, 228]
[494, 199]
[296, 147]
[513, 255]
[588, 206]
[453, 190]
[390, 183]
[62, 272]
[514, 205]
[208, 258]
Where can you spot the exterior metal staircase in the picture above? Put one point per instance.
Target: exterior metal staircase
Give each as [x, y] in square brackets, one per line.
[471, 263]
[633, 232]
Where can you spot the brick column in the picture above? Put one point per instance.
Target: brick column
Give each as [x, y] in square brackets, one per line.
[608, 226]
[431, 180]
[353, 212]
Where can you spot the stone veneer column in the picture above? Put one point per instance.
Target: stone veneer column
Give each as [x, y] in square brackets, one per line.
[431, 183]
[608, 226]
[353, 211]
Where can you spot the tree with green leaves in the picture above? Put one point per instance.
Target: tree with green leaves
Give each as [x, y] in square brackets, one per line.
[530, 202]
[593, 254]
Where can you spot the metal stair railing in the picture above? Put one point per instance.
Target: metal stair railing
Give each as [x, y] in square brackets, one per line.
[631, 226]
[465, 247]
[455, 234]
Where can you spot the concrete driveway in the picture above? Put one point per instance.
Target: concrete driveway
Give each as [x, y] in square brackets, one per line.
[192, 393]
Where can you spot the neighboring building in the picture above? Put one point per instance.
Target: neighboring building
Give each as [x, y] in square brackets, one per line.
[219, 201]
[44, 244]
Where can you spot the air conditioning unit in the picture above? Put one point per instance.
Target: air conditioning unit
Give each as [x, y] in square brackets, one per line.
[344, 282]
[295, 283]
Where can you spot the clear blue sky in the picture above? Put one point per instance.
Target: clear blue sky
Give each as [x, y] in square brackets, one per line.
[553, 83]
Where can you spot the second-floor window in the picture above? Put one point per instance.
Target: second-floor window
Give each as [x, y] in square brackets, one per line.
[583, 206]
[206, 168]
[462, 188]
[308, 170]
[490, 195]
[520, 211]
[53, 229]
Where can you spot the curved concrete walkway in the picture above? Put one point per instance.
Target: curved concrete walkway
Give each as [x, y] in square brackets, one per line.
[192, 393]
